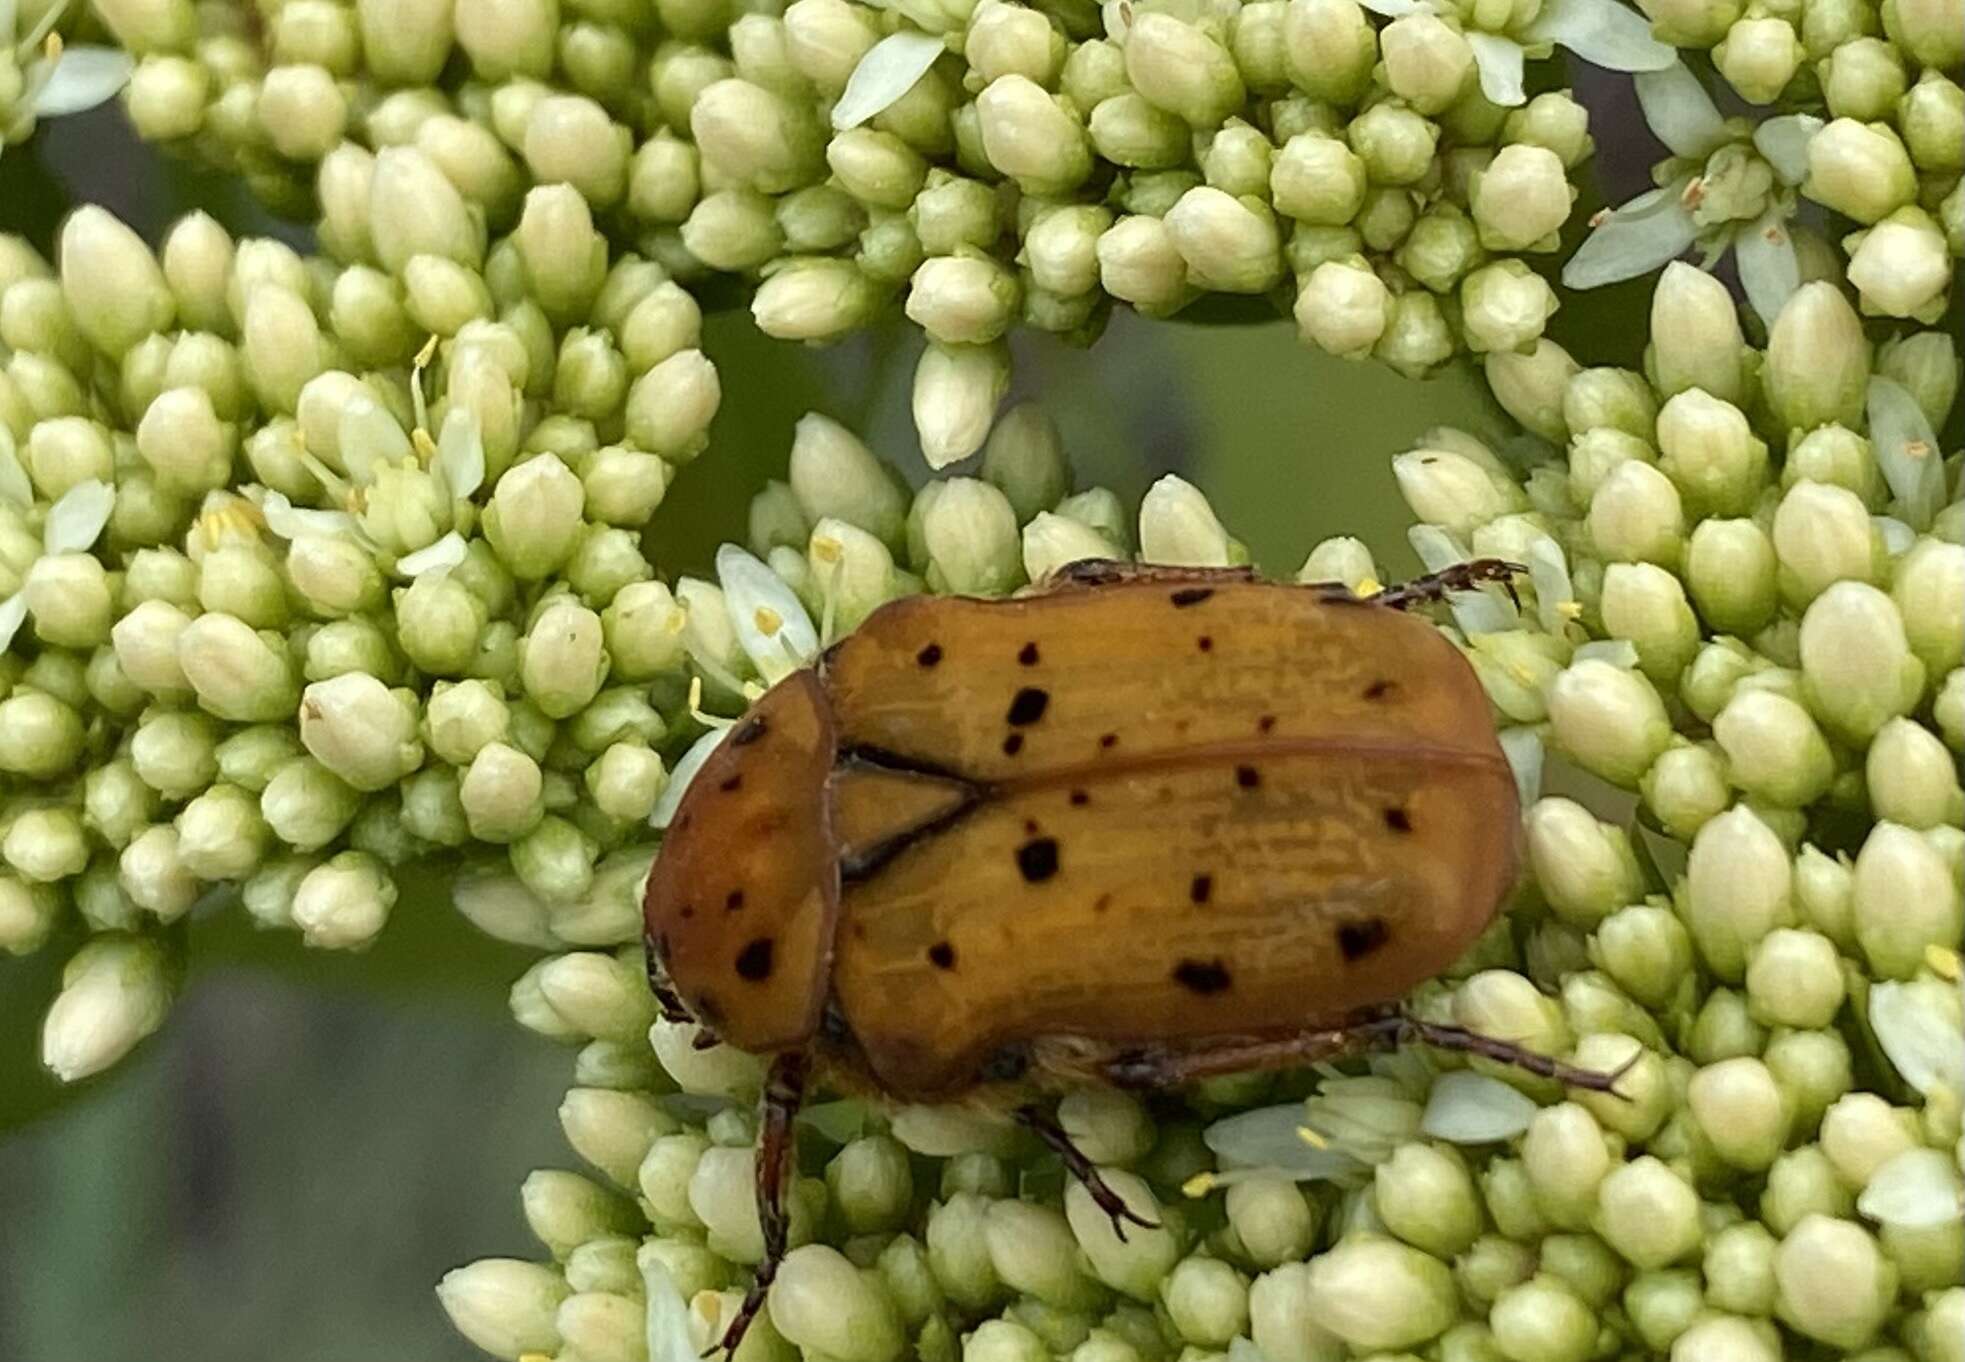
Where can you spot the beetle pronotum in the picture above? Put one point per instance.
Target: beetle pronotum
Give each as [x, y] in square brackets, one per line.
[1140, 826]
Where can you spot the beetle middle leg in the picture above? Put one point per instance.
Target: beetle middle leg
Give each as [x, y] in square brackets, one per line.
[1435, 586]
[1077, 1163]
[784, 1090]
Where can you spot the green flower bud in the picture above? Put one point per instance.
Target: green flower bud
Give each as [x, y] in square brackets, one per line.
[66, 450]
[1317, 179]
[1737, 889]
[1636, 516]
[282, 347]
[562, 662]
[1645, 949]
[756, 137]
[970, 532]
[1329, 49]
[1730, 567]
[1717, 1337]
[1229, 245]
[45, 845]
[115, 289]
[1028, 136]
[1911, 778]
[1178, 527]
[1521, 199]
[597, 995]
[962, 300]
[1237, 160]
[1861, 1132]
[1741, 1110]
[533, 520]
[1832, 1282]
[1724, 1029]
[1207, 1301]
[956, 391]
[1003, 1340]
[1504, 306]
[221, 835]
[1814, 1068]
[1139, 264]
[1542, 1320]
[502, 793]
[1758, 57]
[1129, 130]
[1428, 63]
[442, 296]
[1901, 266]
[952, 212]
[1663, 1305]
[115, 991]
[1531, 386]
[1397, 146]
[733, 230]
[813, 299]
[822, 1302]
[415, 210]
[116, 803]
[1773, 749]
[236, 673]
[1857, 668]
[184, 443]
[172, 752]
[1032, 1251]
[507, 39]
[361, 730]
[826, 39]
[1182, 70]
[1343, 307]
[306, 805]
[303, 111]
[1053, 541]
[1586, 869]
[834, 475]
[1426, 1197]
[1860, 170]
[1794, 978]
[154, 876]
[1739, 1269]
[1648, 1213]
[1094, 71]
[564, 1210]
[1136, 1264]
[1818, 360]
[1645, 604]
[1905, 900]
[1376, 1293]
[1024, 459]
[1565, 1154]
[1005, 39]
[1609, 720]
[1822, 535]
[1691, 22]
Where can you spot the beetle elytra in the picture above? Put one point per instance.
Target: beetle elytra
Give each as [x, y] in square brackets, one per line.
[1139, 826]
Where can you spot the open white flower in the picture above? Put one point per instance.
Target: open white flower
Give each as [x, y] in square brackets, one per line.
[55, 79]
[1601, 32]
[72, 525]
[772, 626]
[1729, 186]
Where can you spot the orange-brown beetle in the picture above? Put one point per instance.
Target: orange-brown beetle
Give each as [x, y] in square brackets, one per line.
[1140, 826]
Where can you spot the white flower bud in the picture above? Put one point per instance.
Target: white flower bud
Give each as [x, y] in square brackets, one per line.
[115, 991]
[1857, 668]
[1229, 245]
[1738, 887]
[1182, 69]
[956, 392]
[361, 730]
[343, 903]
[1028, 136]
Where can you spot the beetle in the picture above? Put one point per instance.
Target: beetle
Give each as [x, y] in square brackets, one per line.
[1138, 826]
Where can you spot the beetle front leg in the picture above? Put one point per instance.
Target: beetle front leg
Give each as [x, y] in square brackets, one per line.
[784, 1090]
[1435, 586]
[1447, 1037]
[1077, 1163]
[1113, 571]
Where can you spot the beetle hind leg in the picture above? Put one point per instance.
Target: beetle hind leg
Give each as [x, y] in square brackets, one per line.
[1077, 1163]
[1446, 1037]
[784, 1090]
[1436, 586]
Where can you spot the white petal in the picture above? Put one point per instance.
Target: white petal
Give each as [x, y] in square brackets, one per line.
[501, 906]
[1469, 1108]
[15, 486]
[9, 21]
[1267, 1139]
[1651, 230]
[1906, 451]
[1897, 536]
[460, 453]
[1500, 61]
[289, 521]
[942, 1132]
[885, 73]
[13, 611]
[1769, 269]
[1618, 652]
[1476, 612]
[1918, 1189]
[668, 1314]
[1548, 572]
[368, 435]
[1680, 111]
[85, 77]
[1917, 1024]
[686, 767]
[439, 557]
[76, 520]
[1783, 142]
[1601, 32]
[1523, 747]
[771, 623]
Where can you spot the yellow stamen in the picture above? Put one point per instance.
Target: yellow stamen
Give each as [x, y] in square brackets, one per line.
[1943, 960]
[1312, 1138]
[427, 353]
[1199, 1185]
[425, 447]
[1370, 586]
[1570, 610]
[767, 620]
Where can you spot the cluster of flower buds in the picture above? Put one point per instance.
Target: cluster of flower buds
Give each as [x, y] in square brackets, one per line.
[308, 569]
[1379, 170]
[1732, 691]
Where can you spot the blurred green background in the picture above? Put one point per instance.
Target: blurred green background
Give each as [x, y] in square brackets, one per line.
[315, 1138]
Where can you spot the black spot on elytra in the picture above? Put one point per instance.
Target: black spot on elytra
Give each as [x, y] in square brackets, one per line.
[1079, 799]
[733, 783]
[1202, 976]
[1101, 903]
[1027, 654]
[1265, 723]
[1380, 688]
[1398, 820]
[1030, 827]
[747, 732]
[1028, 706]
[1205, 643]
[1247, 777]
[1359, 939]
[1201, 888]
[754, 961]
[733, 901]
[929, 655]
[1190, 595]
[1108, 740]
[941, 955]
[687, 912]
[1013, 744]
[1037, 859]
